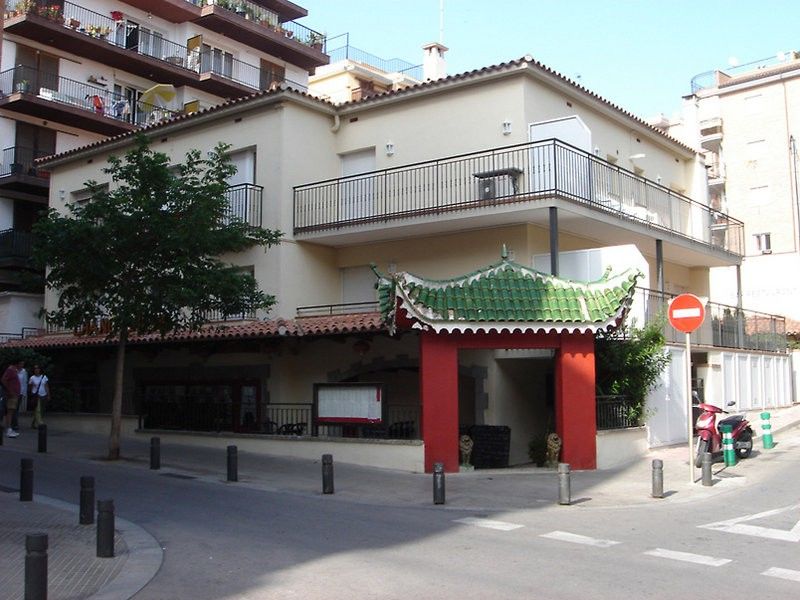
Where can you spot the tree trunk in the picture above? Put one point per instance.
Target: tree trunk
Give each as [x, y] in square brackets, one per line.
[116, 404]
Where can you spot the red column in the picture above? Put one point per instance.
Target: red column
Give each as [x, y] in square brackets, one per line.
[576, 420]
[438, 384]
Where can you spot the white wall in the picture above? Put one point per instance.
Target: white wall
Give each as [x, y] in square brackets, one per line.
[18, 310]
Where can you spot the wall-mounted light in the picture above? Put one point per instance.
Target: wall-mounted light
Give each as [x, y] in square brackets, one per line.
[506, 127]
[597, 150]
[389, 148]
[637, 156]
[658, 179]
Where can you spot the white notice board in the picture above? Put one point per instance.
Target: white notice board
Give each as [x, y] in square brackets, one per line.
[349, 403]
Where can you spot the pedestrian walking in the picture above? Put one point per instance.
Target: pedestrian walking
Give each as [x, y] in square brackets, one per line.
[22, 403]
[10, 382]
[39, 387]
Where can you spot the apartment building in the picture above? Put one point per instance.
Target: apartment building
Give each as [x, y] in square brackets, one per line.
[745, 119]
[76, 73]
[507, 177]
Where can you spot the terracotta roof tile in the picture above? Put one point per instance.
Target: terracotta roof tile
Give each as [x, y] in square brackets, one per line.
[304, 326]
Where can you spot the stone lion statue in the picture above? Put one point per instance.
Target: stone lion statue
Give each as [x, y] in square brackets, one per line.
[465, 446]
[553, 450]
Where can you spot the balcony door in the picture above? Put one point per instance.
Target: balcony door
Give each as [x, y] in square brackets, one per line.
[37, 68]
[242, 200]
[356, 195]
[561, 166]
[31, 142]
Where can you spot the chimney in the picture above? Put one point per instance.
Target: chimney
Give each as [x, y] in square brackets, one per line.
[433, 63]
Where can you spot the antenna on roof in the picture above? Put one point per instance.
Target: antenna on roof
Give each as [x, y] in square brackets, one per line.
[441, 21]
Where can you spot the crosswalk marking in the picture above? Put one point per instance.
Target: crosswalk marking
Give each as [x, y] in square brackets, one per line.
[489, 523]
[688, 557]
[782, 573]
[574, 538]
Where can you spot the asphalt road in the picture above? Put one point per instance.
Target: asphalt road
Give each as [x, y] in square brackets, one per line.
[224, 542]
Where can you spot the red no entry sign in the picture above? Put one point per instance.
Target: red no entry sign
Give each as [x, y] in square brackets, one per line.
[686, 313]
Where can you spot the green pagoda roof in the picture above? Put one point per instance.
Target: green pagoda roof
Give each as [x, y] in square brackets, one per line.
[507, 296]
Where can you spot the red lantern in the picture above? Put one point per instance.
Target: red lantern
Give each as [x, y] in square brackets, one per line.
[117, 15]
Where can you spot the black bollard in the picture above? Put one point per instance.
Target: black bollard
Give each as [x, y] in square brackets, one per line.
[26, 480]
[708, 460]
[438, 483]
[155, 453]
[564, 490]
[2, 432]
[233, 463]
[105, 529]
[658, 478]
[87, 501]
[42, 439]
[327, 473]
[36, 566]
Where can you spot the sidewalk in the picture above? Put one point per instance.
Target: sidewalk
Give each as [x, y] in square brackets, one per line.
[76, 573]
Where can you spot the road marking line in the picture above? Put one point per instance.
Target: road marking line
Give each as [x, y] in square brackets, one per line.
[574, 538]
[782, 573]
[736, 526]
[489, 523]
[688, 557]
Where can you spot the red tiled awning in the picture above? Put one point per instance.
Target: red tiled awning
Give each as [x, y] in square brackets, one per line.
[305, 326]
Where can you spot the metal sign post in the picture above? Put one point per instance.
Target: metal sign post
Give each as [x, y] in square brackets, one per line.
[686, 313]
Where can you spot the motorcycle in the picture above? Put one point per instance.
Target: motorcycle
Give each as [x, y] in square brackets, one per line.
[709, 438]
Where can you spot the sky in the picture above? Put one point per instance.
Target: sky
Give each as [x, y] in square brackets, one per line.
[641, 55]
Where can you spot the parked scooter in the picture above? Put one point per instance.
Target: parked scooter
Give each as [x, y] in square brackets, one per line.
[709, 438]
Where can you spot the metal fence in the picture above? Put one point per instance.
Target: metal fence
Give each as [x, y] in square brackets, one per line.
[244, 203]
[725, 326]
[510, 174]
[19, 160]
[392, 65]
[613, 412]
[94, 99]
[16, 244]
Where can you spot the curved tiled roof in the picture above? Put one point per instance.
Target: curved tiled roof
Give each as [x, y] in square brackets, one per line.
[509, 297]
[244, 330]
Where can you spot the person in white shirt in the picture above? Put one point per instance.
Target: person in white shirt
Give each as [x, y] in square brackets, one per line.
[39, 389]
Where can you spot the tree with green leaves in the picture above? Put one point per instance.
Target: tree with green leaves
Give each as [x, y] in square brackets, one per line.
[629, 363]
[142, 254]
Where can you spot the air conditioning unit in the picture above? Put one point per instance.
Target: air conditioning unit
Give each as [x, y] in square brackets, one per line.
[486, 189]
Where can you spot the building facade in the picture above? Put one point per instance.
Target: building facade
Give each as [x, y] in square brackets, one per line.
[432, 180]
[745, 119]
[73, 74]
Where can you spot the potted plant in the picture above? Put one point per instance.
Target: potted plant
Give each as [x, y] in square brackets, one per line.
[74, 23]
[22, 86]
[315, 40]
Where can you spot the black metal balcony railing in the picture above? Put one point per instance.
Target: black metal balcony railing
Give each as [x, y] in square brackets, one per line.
[97, 100]
[613, 412]
[148, 43]
[269, 19]
[18, 160]
[244, 203]
[16, 244]
[725, 326]
[506, 175]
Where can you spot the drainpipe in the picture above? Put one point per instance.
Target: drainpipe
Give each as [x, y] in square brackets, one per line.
[554, 241]
[660, 266]
[793, 164]
[337, 122]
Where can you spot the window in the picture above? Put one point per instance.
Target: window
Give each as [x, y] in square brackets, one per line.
[216, 61]
[763, 243]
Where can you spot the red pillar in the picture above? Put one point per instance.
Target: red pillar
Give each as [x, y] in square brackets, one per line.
[438, 384]
[576, 420]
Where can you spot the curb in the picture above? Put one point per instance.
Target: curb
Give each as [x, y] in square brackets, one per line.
[145, 555]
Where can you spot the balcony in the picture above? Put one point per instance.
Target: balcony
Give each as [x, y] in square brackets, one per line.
[50, 97]
[511, 185]
[99, 37]
[18, 172]
[244, 203]
[724, 326]
[264, 30]
[180, 11]
[16, 248]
